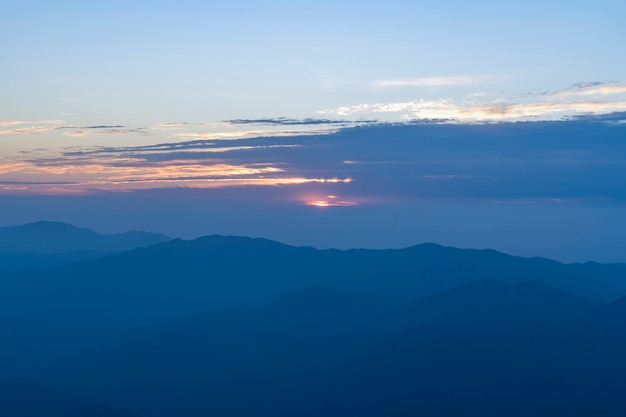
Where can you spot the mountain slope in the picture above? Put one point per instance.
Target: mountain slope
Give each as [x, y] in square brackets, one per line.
[202, 345]
[492, 301]
[178, 277]
[25, 398]
[56, 237]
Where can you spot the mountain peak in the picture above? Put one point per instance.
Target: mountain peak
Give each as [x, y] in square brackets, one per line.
[58, 237]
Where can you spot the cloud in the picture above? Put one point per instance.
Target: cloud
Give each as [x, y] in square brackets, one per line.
[88, 174]
[8, 166]
[29, 128]
[81, 131]
[569, 160]
[284, 121]
[599, 88]
[245, 134]
[445, 176]
[23, 122]
[446, 109]
[175, 164]
[449, 81]
[238, 129]
[421, 149]
[172, 125]
[195, 149]
[11, 123]
[583, 98]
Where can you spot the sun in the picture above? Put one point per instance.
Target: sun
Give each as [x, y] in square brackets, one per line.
[331, 201]
[319, 203]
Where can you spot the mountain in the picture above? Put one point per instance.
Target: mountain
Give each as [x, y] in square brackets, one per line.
[30, 343]
[533, 352]
[55, 237]
[317, 311]
[226, 325]
[178, 277]
[99, 411]
[429, 268]
[492, 301]
[16, 261]
[25, 398]
[203, 345]
[612, 274]
[480, 369]
[485, 348]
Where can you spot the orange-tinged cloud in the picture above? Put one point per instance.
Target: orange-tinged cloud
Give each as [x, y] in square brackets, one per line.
[61, 176]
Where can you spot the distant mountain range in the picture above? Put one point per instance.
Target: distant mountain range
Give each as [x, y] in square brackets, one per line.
[180, 277]
[55, 237]
[225, 325]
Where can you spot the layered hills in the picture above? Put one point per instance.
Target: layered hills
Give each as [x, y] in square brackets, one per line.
[236, 326]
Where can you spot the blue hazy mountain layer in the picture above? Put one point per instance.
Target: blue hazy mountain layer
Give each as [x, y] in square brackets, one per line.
[179, 277]
[235, 326]
[55, 237]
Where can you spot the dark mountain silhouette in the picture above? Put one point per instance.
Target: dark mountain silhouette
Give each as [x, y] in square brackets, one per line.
[55, 237]
[481, 369]
[203, 345]
[236, 326]
[99, 411]
[30, 343]
[17, 261]
[179, 277]
[492, 301]
[25, 398]
[482, 365]
[237, 350]
[319, 311]
[482, 349]
[612, 274]
[479, 365]
[436, 268]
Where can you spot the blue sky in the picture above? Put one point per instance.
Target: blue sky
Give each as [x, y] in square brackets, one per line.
[153, 62]
[247, 103]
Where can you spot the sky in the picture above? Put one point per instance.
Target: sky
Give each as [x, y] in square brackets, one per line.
[333, 124]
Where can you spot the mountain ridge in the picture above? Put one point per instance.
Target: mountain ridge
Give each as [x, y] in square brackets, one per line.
[179, 277]
[51, 237]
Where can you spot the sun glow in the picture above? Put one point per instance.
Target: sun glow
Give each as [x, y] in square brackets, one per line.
[331, 201]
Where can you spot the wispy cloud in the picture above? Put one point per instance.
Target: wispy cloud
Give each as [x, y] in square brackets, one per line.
[191, 164]
[21, 127]
[385, 162]
[89, 174]
[8, 166]
[170, 125]
[551, 106]
[23, 122]
[237, 129]
[75, 131]
[183, 130]
[594, 88]
[194, 148]
[31, 128]
[27, 130]
[285, 121]
[448, 81]
[242, 134]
